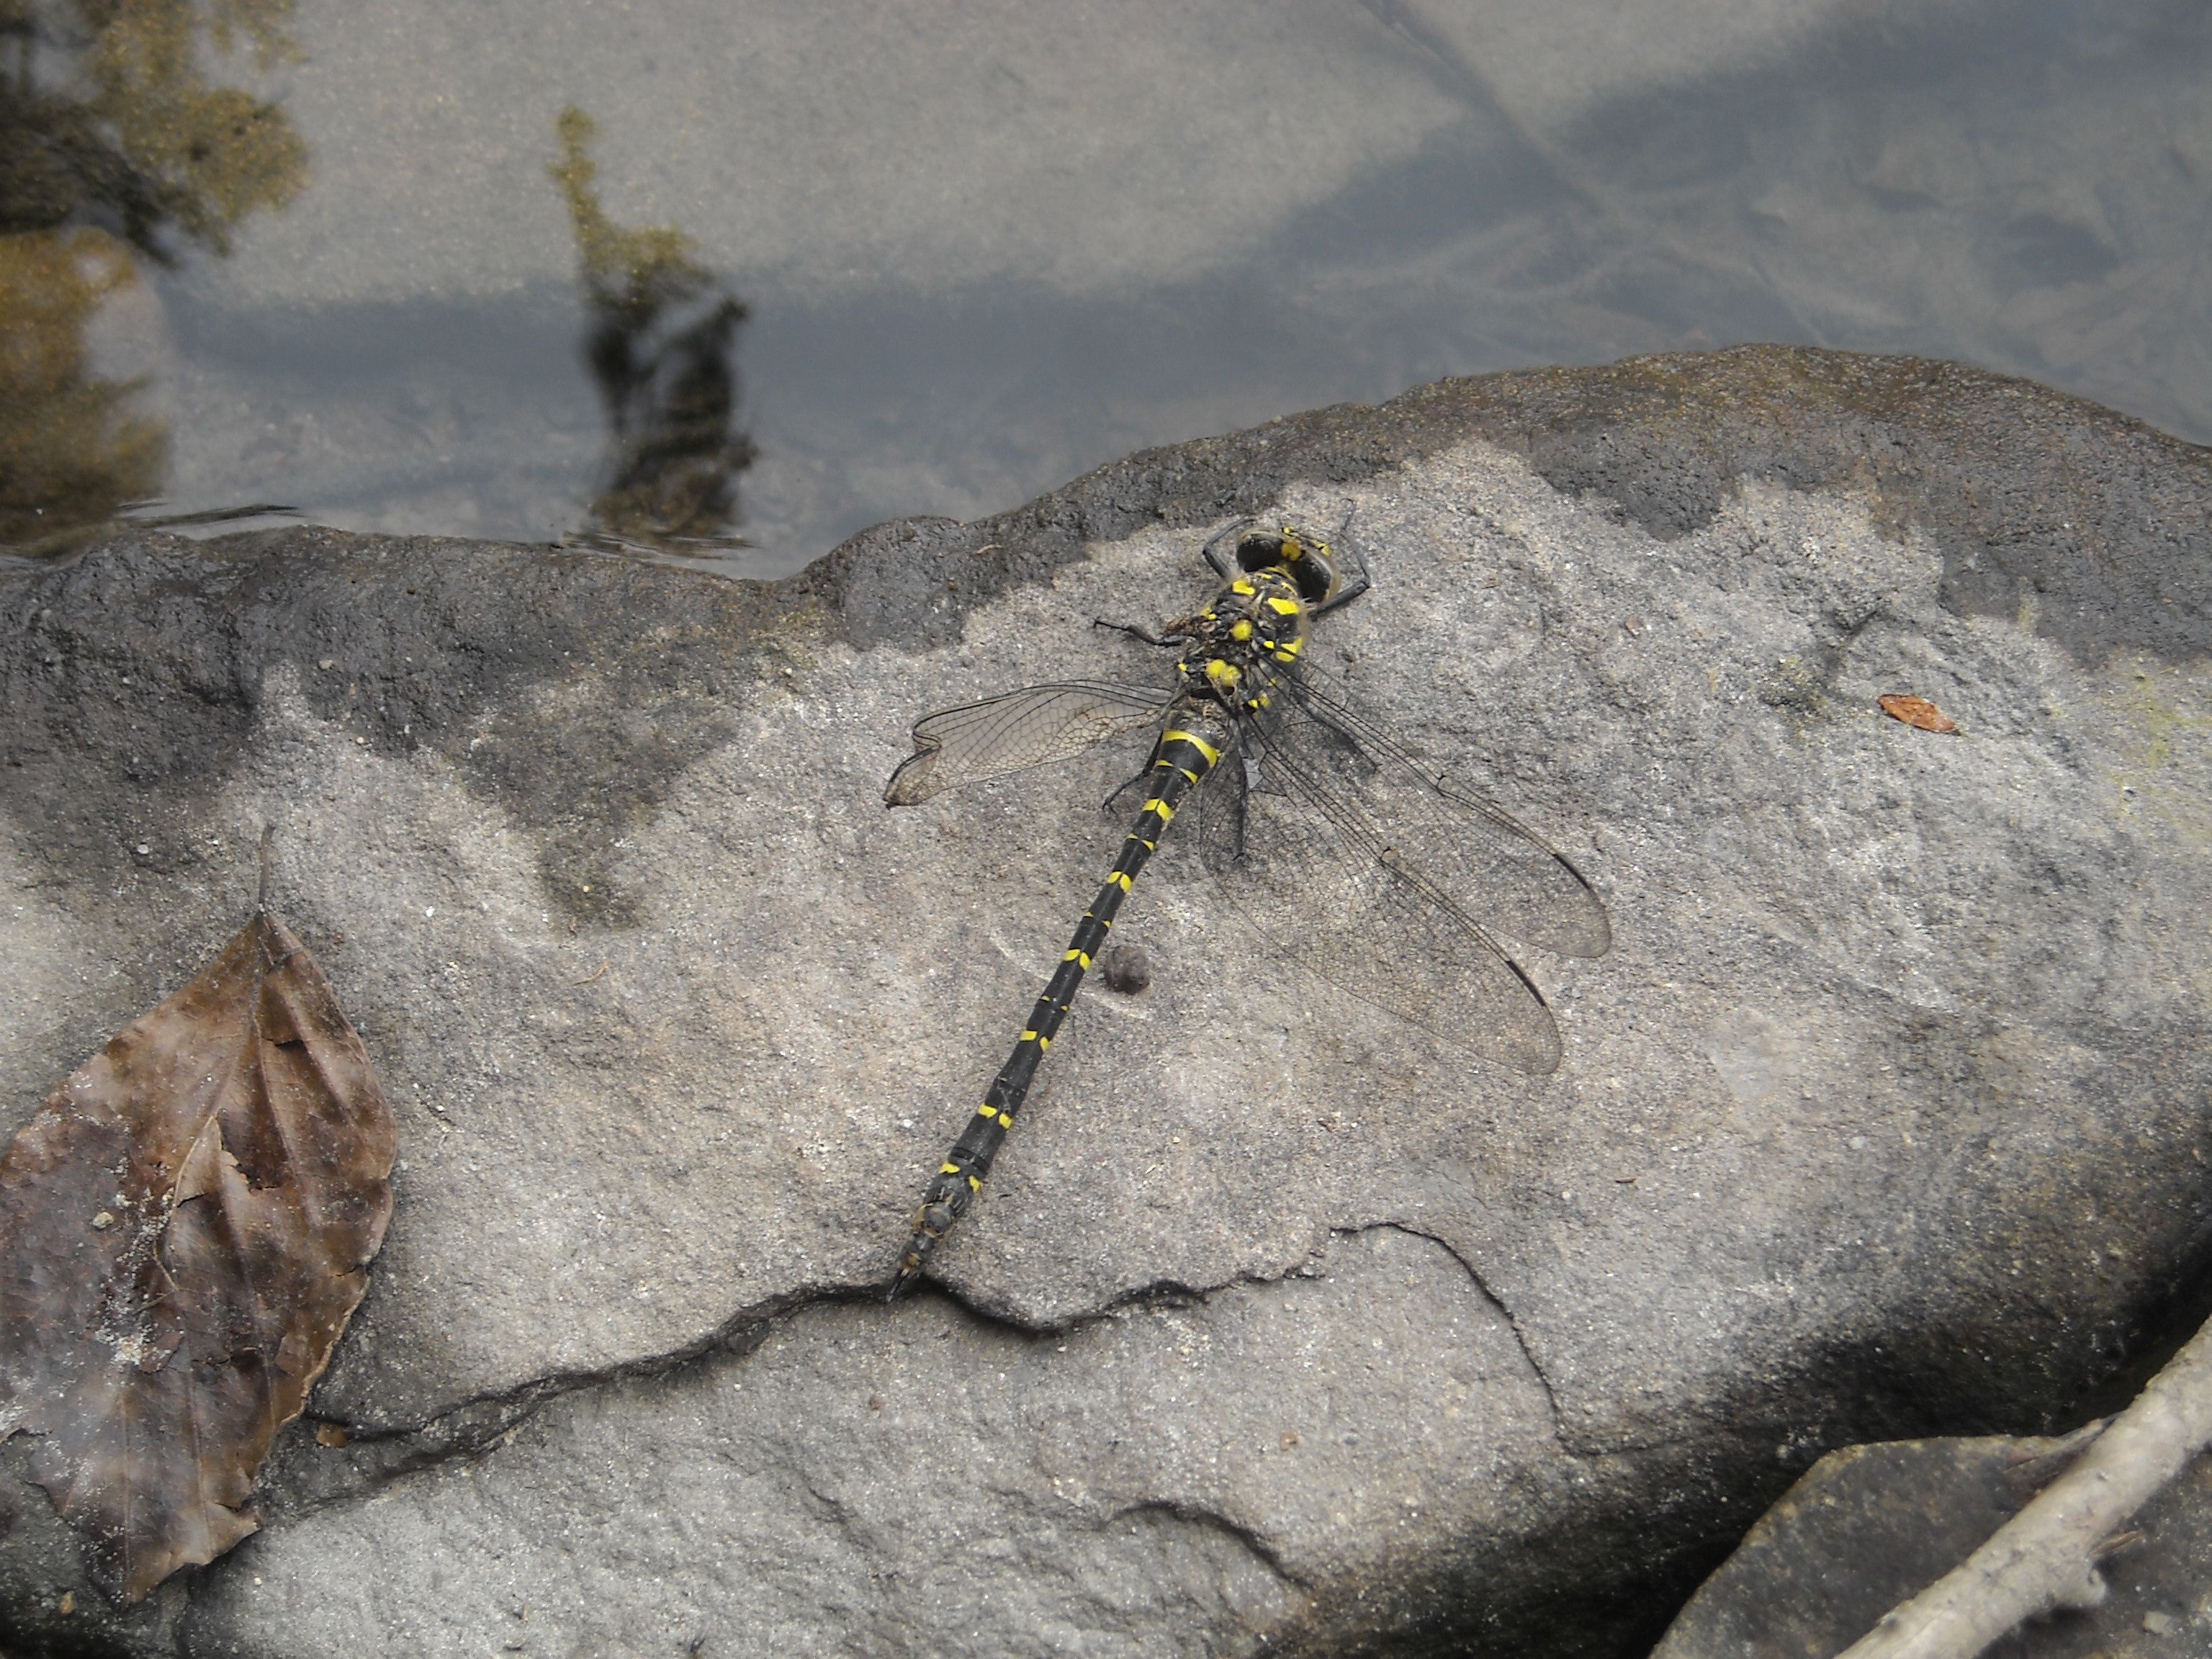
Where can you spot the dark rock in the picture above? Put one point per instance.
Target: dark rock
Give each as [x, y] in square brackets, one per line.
[1869, 1527]
[1881, 1118]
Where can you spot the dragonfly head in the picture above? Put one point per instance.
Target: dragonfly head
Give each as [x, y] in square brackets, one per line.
[1308, 562]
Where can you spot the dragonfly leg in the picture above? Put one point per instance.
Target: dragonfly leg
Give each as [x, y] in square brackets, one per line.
[1170, 638]
[1213, 549]
[1134, 780]
[1355, 579]
[1120, 790]
[1247, 778]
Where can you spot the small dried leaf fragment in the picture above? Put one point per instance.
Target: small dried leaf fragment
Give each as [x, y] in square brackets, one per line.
[1918, 712]
[185, 1227]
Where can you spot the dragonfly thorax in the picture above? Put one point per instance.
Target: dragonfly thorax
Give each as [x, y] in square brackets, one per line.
[1254, 622]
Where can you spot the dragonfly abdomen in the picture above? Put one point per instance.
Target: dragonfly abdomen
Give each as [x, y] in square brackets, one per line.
[1186, 752]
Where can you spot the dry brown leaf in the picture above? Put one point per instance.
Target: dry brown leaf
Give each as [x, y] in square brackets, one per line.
[185, 1226]
[1918, 712]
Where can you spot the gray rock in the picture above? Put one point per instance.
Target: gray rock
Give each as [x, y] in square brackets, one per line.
[1882, 1117]
[1870, 1526]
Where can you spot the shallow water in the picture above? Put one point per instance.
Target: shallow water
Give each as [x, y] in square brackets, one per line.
[817, 265]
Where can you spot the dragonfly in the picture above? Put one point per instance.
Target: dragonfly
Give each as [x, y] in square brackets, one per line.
[1344, 852]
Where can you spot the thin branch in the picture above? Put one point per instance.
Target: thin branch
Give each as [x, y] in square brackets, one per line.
[2045, 1556]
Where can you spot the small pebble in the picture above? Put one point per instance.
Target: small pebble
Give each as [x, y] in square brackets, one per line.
[1126, 969]
[142, 849]
[104, 1220]
[327, 664]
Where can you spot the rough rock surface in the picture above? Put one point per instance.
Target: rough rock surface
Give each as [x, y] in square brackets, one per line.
[1870, 1526]
[1275, 1328]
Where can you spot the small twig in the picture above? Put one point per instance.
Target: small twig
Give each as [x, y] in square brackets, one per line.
[603, 968]
[2045, 1556]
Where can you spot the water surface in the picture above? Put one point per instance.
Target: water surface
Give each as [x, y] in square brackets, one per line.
[789, 270]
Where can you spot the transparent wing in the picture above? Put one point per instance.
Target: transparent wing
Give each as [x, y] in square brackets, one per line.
[1383, 880]
[1017, 729]
[1467, 848]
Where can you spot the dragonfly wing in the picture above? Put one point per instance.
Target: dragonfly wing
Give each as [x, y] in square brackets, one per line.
[1462, 845]
[1327, 892]
[977, 741]
[1349, 858]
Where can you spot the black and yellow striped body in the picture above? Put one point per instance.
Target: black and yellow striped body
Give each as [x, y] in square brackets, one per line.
[1230, 655]
[1186, 752]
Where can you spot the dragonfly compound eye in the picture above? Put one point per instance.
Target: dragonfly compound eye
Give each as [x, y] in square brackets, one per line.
[1310, 565]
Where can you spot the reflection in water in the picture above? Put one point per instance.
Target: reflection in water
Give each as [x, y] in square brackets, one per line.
[71, 453]
[112, 139]
[660, 346]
